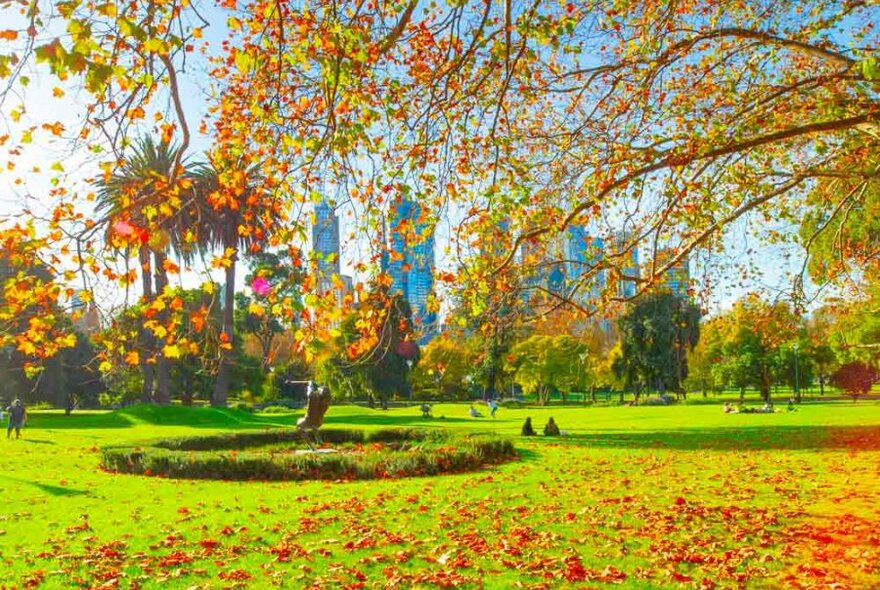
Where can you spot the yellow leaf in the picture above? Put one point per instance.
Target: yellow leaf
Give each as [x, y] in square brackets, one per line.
[208, 287]
[171, 351]
[105, 367]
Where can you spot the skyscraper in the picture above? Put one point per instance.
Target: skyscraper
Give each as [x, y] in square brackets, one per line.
[411, 262]
[678, 277]
[583, 253]
[629, 264]
[325, 243]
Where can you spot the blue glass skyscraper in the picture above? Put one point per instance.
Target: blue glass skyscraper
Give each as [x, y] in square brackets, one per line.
[629, 265]
[411, 262]
[325, 243]
[583, 253]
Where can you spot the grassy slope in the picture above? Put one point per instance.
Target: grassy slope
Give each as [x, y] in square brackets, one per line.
[666, 496]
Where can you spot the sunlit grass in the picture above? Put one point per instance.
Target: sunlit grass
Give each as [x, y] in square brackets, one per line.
[641, 497]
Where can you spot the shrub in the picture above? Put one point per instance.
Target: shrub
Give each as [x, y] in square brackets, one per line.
[398, 453]
[854, 379]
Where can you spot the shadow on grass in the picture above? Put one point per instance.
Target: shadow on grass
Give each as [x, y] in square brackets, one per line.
[49, 489]
[225, 418]
[791, 438]
[77, 420]
[159, 416]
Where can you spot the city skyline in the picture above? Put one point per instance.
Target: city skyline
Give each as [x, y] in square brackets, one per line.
[410, 263]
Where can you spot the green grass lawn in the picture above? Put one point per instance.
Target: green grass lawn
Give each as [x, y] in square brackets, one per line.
[641, 497]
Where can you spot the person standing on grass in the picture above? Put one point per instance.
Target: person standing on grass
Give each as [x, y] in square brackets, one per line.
[16, 418]
[493, 407]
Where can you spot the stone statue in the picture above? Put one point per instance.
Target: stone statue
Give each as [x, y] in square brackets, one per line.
[317, 402]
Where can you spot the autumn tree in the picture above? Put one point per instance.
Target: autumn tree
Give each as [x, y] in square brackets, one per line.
[445, 368]
[704, 358]
[755, 332]
[547, 364]
[673, 121]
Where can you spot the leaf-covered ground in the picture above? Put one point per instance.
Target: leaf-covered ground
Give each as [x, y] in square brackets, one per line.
[664, 497]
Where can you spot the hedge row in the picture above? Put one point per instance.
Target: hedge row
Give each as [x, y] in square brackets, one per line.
[181, 459]
[242, 440]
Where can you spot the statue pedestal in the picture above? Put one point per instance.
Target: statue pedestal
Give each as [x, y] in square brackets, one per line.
[315, 451]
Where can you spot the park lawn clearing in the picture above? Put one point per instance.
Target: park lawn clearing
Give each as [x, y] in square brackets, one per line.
[646, 497]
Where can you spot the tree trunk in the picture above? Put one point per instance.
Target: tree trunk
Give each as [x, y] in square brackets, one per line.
[163, 365]
[593, 393]
[266, 350]
[224, 376]
[821, 384]
[145, 335]
[765, 385]
[742, 394]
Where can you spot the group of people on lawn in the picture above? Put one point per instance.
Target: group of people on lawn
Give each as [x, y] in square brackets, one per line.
[766, 409]
[551, 429]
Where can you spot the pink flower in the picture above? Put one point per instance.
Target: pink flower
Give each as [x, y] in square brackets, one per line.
[260, 286]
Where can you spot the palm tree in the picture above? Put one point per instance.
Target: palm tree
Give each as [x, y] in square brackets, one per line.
[137, 193]
[238, 200]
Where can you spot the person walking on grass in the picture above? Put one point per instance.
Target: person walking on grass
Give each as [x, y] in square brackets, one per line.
[17, 417]
[493, 407]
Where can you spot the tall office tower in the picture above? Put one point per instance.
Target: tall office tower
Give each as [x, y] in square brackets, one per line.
[629, 264]
[583, 253]
[411, 263]
[678, 277]
[325, 243]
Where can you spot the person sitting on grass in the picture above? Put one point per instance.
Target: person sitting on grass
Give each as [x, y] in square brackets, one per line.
[728, 408]
[474, 413]
[527, 429]
[551, 429]
[426, 411]
[791, 407]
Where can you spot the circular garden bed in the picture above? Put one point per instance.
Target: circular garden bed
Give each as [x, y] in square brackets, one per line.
[284, 455]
